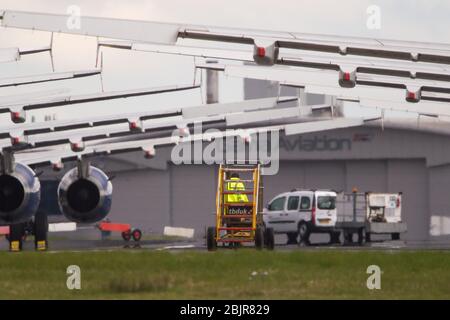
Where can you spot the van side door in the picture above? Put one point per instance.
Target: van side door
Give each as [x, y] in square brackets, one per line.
[305, 208]
[274, 210]
[291, 215]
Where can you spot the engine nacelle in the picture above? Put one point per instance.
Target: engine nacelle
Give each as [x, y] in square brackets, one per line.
[87, 197]
[20, 194]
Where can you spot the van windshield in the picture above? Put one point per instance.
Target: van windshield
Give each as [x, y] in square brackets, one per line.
[326, 202]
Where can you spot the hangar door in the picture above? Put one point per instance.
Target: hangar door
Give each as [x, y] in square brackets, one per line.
[141, 198]
[193, 196]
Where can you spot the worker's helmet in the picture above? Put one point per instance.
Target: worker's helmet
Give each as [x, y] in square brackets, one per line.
[234, 175]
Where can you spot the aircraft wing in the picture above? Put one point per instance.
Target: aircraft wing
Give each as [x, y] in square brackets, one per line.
[56, 76]
[56, 157]
[398, 88]
[14, 54]
[134, 118]
[77, 132]
[428, 97]
[9, 55]
[265, 43]
[18, 108]
[406, 69]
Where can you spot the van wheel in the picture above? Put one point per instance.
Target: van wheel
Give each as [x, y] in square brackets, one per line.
[211, 242]
[269, 238]
[304, 232]
[292, 238]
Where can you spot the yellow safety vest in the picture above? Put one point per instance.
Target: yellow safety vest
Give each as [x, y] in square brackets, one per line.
[236, 186]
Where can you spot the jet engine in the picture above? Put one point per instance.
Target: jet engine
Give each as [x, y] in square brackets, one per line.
[20, 194]
[85, 194]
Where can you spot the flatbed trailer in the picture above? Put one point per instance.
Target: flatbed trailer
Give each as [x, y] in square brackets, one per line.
[359, 214]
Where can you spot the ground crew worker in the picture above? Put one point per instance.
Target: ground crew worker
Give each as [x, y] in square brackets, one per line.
[236, 185]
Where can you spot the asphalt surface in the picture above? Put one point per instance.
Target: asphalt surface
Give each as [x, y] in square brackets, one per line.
[73, 243]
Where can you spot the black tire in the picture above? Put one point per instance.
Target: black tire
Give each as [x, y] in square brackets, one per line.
[40, 231]
[347, 238]
[126, 235]
[269, 238]
[211, 242]
[304, 232]
[16, 235]
[292, 238]
[259, 238]
[395, 236]
[361, 236]
[137, 235]
[334, 237]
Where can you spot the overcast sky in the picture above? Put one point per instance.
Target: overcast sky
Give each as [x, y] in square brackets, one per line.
[419, 20]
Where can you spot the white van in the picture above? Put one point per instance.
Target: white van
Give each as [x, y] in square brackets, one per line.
[299, 213]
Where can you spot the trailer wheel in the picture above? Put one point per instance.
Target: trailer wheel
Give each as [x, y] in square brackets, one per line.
[334, 237]
[211, 242]
[395, 236]
[361, 236]
[137, 235]
[292, 238]
[40, 229]
[126, 235]
[304, 233]
[259, 238]
[269, 238]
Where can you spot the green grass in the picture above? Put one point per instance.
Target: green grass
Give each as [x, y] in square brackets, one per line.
[227, 274]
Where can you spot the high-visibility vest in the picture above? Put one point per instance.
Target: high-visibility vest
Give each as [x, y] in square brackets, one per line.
[236, 186]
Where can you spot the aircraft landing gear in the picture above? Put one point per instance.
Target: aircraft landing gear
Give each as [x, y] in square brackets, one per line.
[16, 236]
[40, 230]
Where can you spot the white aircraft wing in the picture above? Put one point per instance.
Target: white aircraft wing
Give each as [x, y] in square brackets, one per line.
[135, 119]
[14, 54]
[191, 51]
[385, 67]
[76, 132]
[30, 96]
[153, 32]
[56, 157]
[56, 76]
[9, 55]
[17, 109]
[394, 92]
[265, 43]
[398, 88]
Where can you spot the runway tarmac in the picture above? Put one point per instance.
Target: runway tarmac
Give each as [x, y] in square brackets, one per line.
[73, 243]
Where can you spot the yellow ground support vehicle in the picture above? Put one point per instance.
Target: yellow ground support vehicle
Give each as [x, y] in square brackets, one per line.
[239, 209]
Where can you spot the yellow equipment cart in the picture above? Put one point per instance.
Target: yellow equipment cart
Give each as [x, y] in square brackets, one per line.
[239, 203]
